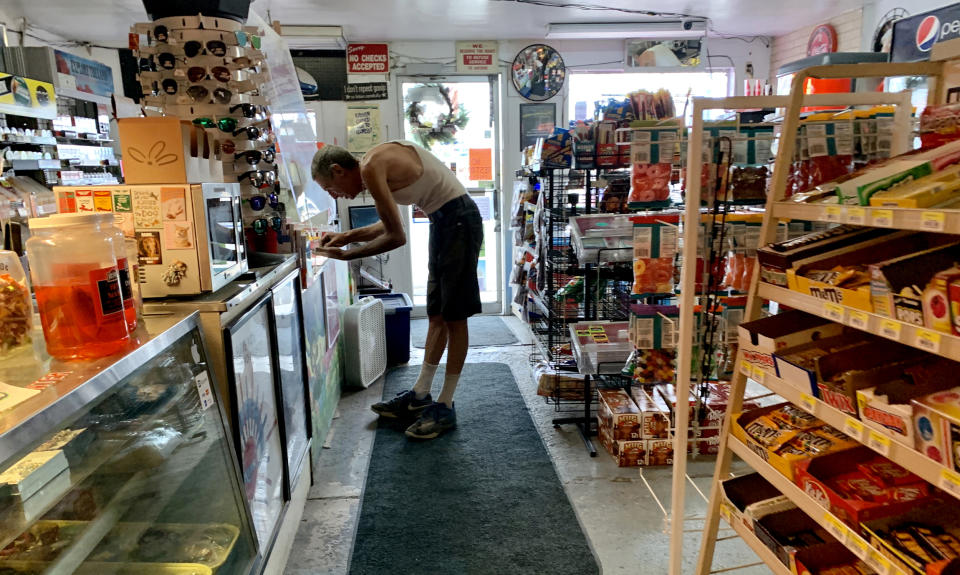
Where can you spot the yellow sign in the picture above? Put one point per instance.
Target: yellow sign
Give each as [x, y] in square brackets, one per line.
[891, 329]
[835, 527]
[833, 312]
[933, 221]
[853, 427]
[808, 403]
[882, 218]
[928, 340]
[856, 215]
[25, 97]
[833, 214]
[859, 319]
[879, 442]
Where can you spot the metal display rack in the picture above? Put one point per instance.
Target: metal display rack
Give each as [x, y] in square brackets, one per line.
[776, 208]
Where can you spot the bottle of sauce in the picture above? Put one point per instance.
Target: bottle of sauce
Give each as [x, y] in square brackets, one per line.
[77, 284]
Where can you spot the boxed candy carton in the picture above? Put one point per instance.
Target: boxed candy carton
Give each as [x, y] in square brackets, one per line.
[892, 281]
[617, 413]
[832, 558]
[797, 366]
[740, 493]
[786, 532]
[936, 426]
[759, 339]
[920, 540]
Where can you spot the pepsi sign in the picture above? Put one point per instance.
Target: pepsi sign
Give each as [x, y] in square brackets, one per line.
[914, 37]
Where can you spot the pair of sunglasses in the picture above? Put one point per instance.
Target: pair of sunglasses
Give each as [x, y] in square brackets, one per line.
[197, 93]
[194, 48]
[249, 110]
[226, 124]
[221, 74]
[261, 225]
[254, 157]
[243, 38]
[161, 34]
[259, 202]
[259, 178]
[253, 133]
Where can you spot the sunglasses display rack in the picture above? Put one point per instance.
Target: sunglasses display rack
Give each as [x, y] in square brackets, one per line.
[210, 71]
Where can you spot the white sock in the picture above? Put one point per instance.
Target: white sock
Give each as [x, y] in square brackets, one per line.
[449, 386]
[425, 380]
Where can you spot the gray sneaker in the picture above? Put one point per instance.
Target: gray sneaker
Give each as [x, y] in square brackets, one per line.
[433, 421]
[404, 405]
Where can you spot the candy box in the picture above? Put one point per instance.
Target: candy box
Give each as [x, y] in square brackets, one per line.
[859, 189]
[618, 413]
[654, 414]
[936, 426]
[917, 540]
[797, 366]
[816, 477]
[788, 531]
[841, 374]
[759, 339]
[659, 452]
[892, 419]
[890, 279]
[741, 492]
[925, 192]
[826, 559]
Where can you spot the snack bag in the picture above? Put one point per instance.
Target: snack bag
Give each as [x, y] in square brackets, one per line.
[651, 182]
[652, 275]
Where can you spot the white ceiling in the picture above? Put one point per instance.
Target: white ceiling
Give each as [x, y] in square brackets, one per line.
[107, 22]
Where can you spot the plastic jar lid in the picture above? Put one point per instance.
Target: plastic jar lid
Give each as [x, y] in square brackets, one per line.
[63, 220]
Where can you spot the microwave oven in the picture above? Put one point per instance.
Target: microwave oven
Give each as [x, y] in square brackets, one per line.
[189, 236]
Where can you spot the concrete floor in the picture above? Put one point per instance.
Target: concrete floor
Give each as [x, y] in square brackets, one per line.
[619, 508]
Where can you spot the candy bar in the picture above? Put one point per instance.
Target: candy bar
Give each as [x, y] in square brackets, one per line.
[768, 432]
[886, 472]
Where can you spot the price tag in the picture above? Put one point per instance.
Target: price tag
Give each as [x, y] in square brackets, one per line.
[854, 428]
[808, 403]
[933, 221]
[725, 513]
[859, 547]
[836, 527]
[202, 380]
[833, 312]
[882, 218]
[928, 340]
[879, 563]
[833, 214]
[859, 319]
[950, 482]
[879, 442]
[856, 215]
[891, 329]
[758, 374]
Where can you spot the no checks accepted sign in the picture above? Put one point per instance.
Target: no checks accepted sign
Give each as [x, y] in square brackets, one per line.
[368, 58]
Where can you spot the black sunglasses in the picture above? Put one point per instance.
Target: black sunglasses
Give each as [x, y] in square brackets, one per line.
[254, 157]
[197, 93]
[249, 110]
[160, 33]
[259, 202]
[259, 178]
[252, 132]
[219, 73]
[214, 47]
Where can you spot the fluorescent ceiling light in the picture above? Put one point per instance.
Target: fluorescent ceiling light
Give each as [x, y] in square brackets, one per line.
[316, 37]
[660, 29]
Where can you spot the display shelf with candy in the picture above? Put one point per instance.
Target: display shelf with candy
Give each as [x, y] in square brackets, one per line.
[730, 446]
[922, 219]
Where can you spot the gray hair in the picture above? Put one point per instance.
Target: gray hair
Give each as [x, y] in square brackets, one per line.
[326, 157]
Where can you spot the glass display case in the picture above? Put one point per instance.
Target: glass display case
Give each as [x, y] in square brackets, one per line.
[122, 465]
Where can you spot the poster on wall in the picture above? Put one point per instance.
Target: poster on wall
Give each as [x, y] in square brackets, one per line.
[477, 57]
[363, 127]
[365, 91]
[915, 36]
[256, 427]
[663, 54]
[91, 76]
[368, 58]
[536, 121]
[25, 97]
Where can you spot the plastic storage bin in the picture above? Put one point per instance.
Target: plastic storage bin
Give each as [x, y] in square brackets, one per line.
[397, 307]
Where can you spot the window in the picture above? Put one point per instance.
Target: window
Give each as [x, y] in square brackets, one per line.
[587, 89]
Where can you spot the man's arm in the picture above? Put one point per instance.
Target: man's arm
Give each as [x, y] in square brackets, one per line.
[385, 235]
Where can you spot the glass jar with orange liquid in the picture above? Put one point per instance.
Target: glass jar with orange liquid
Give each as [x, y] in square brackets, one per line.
[77, 283]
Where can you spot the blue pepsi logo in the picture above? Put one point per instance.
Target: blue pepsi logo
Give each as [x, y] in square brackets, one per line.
[928, 32]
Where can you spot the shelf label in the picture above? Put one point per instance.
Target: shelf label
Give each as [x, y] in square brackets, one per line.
[808, 403]
[879, 563]
[836, 527]
[745, 368]
[933, 221]
[949, 482]
[202, 380]
[833, 312]
[758, 375]
[882, 218]
[859, 547]
[856, 215]
[859, 319]
[854, 428]
[891, 329]
[725, 513]
[833, 214]
[879, 442]
[928, 340]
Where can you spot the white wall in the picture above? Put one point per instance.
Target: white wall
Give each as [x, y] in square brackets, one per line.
[578, 55]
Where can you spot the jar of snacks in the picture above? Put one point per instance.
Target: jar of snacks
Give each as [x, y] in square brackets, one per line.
[16, 310]
[77, 284]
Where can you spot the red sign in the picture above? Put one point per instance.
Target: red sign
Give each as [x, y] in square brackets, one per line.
[368, 59]
[823, 40]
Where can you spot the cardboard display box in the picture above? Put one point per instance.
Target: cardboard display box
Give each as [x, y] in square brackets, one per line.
[787, 532]
[814, 476]
[654, 414]
[936, 515]
[936, 426]
[741, 492]
[817, 558]
[617, 412]
[166, 150]
[776, 259]
[759, 339]
[797, 366]
[889, 278]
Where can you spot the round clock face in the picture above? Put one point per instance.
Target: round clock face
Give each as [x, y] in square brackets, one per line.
[538, 72]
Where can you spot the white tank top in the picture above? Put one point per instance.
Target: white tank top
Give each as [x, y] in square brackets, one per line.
[436, 186]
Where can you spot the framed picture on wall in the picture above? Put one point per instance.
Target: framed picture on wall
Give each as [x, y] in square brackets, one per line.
[536, 121]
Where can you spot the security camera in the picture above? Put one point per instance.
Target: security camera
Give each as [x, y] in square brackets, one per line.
[687, 24]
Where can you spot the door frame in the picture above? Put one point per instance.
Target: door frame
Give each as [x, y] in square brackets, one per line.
[494, 82]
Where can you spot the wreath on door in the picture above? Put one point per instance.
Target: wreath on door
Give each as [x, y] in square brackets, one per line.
[427, 133]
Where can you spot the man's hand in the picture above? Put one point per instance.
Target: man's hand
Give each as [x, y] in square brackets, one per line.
[333, 253]
[333, 240]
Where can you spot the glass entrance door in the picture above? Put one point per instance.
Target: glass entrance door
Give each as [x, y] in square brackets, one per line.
[456, 119]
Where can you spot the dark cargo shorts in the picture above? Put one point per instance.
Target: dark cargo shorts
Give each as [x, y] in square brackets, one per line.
[456, 235]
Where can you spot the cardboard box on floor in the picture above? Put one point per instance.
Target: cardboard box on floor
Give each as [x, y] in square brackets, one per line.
[167, 150]
[617, 412]
[654, 414]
